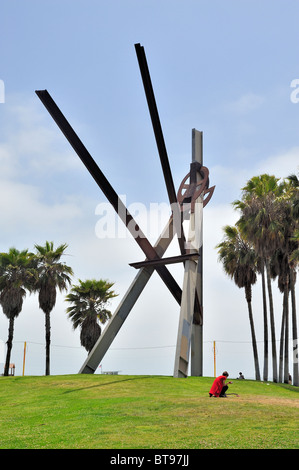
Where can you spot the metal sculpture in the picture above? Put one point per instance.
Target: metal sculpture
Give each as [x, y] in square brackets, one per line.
[187, 204]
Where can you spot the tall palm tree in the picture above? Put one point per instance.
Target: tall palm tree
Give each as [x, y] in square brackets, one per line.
[261, 271]
[292, 234]
[284, 266]
[89, 300]
[280, 268]
[239, 262]
[52, 275]
[261, 223]
[16, 275]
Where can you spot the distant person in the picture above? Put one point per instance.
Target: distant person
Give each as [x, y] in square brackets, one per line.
[219, 388]
[241, 376]
[290, 379]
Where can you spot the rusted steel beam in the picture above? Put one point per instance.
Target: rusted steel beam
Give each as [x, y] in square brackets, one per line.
[163, 261]
[108, 190]
[151, 101]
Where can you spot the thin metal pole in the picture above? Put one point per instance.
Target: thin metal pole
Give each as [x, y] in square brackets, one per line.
[214, 347]
[24, 358]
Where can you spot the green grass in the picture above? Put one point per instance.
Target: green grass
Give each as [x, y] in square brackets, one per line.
[144, 412]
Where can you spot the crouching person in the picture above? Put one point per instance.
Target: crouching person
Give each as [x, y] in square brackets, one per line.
[219, 388]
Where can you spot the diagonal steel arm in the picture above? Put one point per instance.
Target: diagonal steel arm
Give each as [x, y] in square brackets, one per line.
[149, 92]
[108, 190]
[127, 303]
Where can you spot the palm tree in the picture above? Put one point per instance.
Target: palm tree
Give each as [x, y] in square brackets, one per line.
[280, 267]
[239, 262]
[261, 223]
[16, 275]
[292, 234]
[284, 266]
[89, 300]
[261, 271]
[52, 275]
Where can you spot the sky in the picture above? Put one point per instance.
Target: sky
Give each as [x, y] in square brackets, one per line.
[229, 69]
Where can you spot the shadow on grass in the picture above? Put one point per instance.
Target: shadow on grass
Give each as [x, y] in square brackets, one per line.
[108, 383]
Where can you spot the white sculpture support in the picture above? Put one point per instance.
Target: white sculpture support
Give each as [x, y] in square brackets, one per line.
[190, 332]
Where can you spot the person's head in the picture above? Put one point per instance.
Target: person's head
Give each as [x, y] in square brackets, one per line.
[225, 373]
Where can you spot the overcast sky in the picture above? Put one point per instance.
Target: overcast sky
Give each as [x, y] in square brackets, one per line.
[224, 68]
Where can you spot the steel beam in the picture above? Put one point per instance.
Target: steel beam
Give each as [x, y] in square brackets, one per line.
[189, 337]
[108, 190]
[148, 88]
[151, 101]
[162, 261]
[115, 323]
[197, 324]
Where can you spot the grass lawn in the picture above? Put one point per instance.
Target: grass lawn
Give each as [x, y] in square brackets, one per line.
[145, 412]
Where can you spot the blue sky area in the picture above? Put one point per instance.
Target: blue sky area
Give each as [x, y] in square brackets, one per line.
[224, 68]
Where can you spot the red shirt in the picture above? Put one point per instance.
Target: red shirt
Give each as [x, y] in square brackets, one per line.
[217, 385]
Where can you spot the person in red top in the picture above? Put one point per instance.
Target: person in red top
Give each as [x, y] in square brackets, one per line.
[219, 388]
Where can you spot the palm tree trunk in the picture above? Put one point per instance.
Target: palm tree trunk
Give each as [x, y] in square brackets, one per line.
[272, 322]
[286, 334]
[253, 338]
[266, 345]
[9, 344]
[294, 330]
[48, 341]
[282, 331]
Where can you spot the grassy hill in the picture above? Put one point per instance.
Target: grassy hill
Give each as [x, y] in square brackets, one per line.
[145, 412]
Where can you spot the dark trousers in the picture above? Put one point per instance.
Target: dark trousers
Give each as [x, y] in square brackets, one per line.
[222, 394]
[223, 391]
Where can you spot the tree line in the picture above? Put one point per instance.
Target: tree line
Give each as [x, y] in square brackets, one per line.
[265, 242]
[42, 272]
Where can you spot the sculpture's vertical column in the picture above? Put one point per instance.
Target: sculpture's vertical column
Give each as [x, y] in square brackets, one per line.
[190, 322]
[197, 325]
